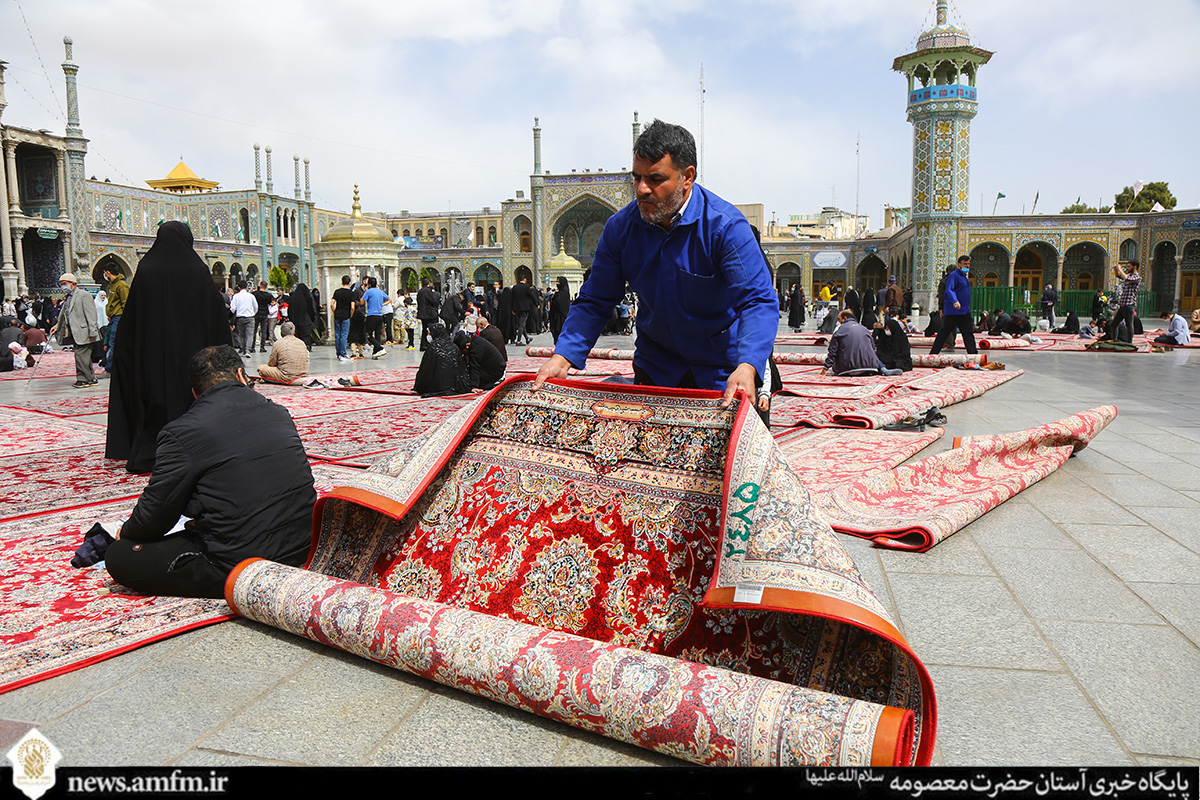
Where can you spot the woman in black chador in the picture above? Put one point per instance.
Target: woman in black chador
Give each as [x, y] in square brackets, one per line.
[560, 306]
[173, 311]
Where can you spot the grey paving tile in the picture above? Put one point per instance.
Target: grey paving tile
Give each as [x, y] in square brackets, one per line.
[461, 730]
[1016, 523]
[1135, 489]
[1060, 584]
[584, 749]
[335, 711]
[866, 558]
[1179, 604]
[1178, 523]
[1138, 553]
[1064, 498]
[968, 621]
[958, 555]
[155, 715]
[251, 645]
[1138, 677]
[1176, 474]
[42, 702]
[1087, 463]
[1046, 720]
[1129, 451]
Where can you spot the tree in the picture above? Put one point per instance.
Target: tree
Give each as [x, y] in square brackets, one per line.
[278, 276]
[1155, 192]
[1084, 208]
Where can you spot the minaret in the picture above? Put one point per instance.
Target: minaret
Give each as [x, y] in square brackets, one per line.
[257, 168]
[536, 184]
[76, 146]
[637, 130]
[942, 101]
[296, 164]
[270, 183]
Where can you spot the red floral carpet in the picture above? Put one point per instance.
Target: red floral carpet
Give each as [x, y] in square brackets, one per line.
[55, 364]
[374, 430]
[63, 480]
[826, 457]
[639, 563]
[915, 506]
[55, 619]
[30, 433]
[880, 401]
[92, 401]
[304, 403]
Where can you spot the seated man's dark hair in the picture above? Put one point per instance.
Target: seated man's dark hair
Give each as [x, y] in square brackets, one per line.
[662, 138]
[212, 365]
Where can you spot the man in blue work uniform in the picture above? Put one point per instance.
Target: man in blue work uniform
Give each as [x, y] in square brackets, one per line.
[957, 316]
[708, 311]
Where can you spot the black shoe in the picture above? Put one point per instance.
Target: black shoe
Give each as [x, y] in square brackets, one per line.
[95, 545]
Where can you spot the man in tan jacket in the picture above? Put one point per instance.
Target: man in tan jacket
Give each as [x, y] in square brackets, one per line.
[289, 357]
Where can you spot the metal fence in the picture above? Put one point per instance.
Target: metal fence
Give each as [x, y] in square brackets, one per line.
[1011, 298]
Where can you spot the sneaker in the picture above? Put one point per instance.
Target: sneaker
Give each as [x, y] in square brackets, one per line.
[893, 372]
[79, 384]
[345, 359]
[345, 382]
[314, 384]
[262, 349]
[378, 353]
[410, 347]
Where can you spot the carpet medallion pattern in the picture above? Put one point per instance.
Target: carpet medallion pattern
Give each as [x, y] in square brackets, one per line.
[621, 560]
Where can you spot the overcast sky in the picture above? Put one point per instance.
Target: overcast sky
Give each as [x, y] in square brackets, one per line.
[428, 105]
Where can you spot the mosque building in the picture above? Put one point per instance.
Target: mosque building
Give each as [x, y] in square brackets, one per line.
[54, 219]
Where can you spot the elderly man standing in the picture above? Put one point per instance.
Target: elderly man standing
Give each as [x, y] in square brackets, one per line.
[77, 327]
[289, 357]
[708, 311]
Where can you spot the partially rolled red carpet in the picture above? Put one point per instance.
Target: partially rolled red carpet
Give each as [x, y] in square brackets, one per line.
[637, 562]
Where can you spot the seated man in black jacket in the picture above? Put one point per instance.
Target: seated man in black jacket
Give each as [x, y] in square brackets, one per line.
[485, 367]
[248, 489]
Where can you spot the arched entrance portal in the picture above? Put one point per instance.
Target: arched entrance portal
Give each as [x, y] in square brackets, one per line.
[433, 275]
[486, 273]
[1033, 268]
[218, 273]
[579, 225]
[109, 261]
[786, 276]
[1190, 293]
[1162, 276]
[989, 264]
[837, 277]
[524, 272]
[1083, 266]
[872, 273]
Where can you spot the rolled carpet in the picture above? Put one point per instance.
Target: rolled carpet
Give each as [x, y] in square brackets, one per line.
[915, 506]
[631, 560]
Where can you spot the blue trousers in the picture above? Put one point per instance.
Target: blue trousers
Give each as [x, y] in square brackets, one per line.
[341, 334]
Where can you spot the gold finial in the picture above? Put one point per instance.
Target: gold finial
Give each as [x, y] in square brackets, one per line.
[356, 209]
[562, 245]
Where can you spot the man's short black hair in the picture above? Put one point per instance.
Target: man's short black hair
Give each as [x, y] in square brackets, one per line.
[1133, 262]
[241, 285]
[462, 339]
[345, 280]
[963, 258]
[372, 282]
[212, 365]
[662, 138]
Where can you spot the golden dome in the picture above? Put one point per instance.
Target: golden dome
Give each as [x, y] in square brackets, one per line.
[357, 228]
[562, 260]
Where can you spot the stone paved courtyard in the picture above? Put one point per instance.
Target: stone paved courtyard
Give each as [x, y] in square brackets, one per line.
[1061, 628]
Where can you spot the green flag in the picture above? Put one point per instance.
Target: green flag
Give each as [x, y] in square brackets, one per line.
[1000, 194]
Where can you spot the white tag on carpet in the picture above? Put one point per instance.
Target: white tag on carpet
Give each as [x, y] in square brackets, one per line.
[748, 593]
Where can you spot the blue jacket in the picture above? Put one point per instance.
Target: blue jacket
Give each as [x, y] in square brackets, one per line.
[707, 303]
[958, 289]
